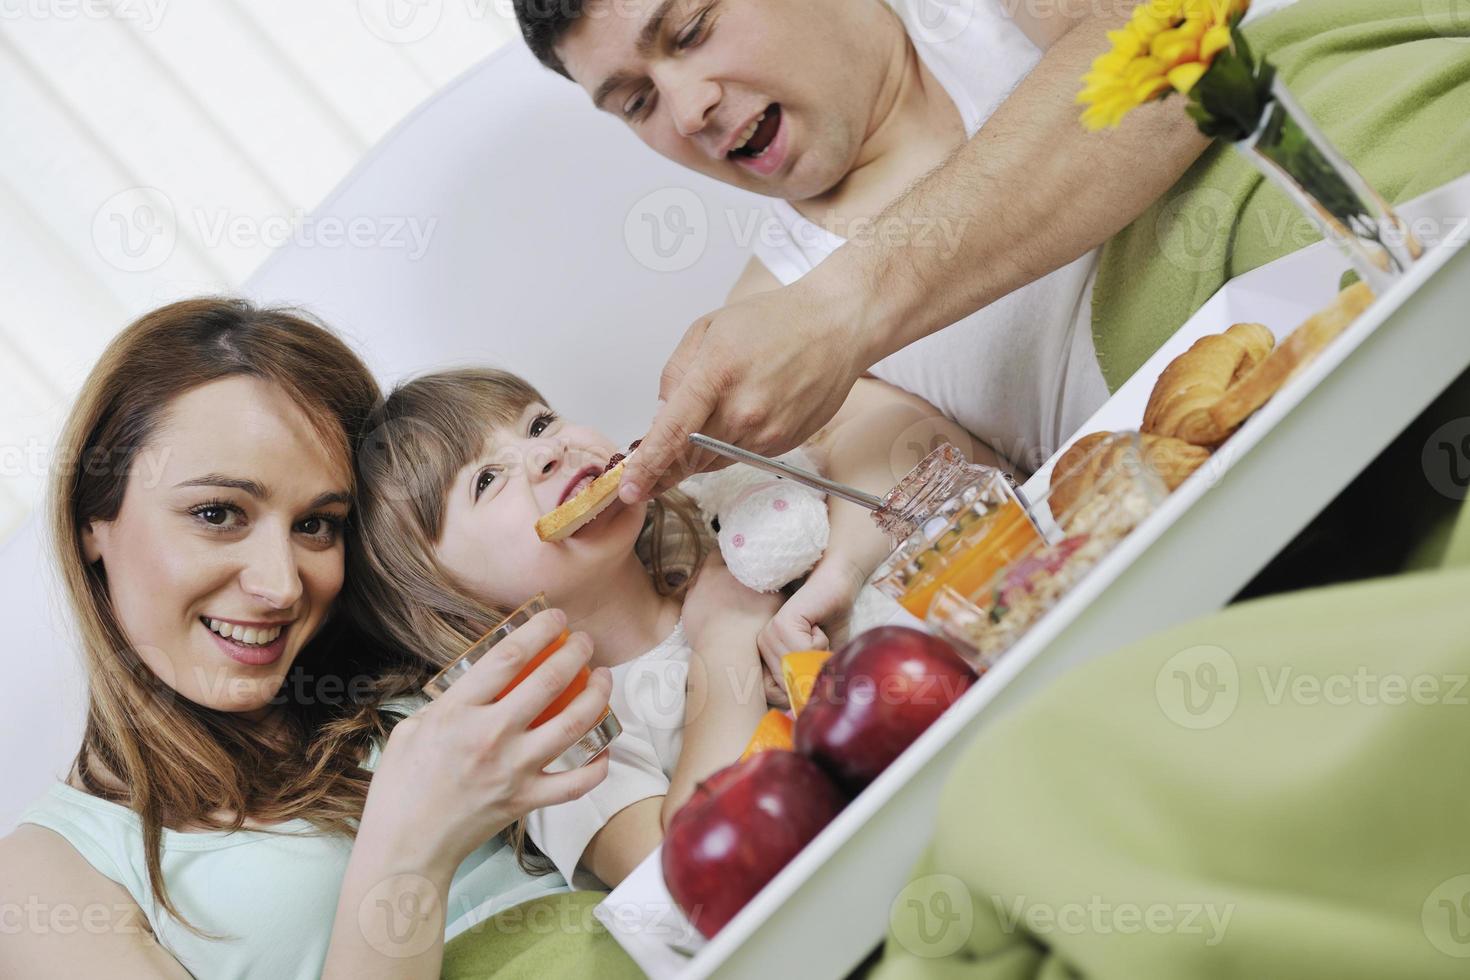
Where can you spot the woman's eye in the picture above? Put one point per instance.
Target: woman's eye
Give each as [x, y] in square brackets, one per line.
[322, 526]
[221, 517]
[482, 482]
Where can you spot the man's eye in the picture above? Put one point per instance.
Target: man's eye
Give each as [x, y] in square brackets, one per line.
[636, 106]
[483, 481]
[694, 33]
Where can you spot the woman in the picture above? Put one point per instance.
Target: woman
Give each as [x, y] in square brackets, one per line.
[219, 807]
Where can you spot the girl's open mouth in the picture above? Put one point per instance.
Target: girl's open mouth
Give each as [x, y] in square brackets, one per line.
[581, 481]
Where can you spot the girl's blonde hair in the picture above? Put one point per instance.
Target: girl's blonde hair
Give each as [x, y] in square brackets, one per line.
[179, 762]
[421, 436]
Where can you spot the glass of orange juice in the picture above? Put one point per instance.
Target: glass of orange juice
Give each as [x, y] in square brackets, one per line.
[589, 746]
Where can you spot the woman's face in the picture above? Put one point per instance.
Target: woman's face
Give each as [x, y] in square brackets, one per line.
[230, 524]
[489, 541]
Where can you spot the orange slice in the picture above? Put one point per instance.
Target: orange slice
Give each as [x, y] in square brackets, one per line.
[773, 732]
[799, 672]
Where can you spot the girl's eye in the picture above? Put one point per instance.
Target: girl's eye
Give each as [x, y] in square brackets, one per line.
[218, 516]
[542, 422]
[324, 527]
[483, 481]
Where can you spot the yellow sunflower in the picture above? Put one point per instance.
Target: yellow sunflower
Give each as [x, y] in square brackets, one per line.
[1166, 46]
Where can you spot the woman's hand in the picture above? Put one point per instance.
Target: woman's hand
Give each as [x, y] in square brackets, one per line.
[461, 769]
[719, 605]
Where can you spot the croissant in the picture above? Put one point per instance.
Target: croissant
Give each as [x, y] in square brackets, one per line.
[1197, 379]
[1082, 465]
[1203, 396]
[1257, 387]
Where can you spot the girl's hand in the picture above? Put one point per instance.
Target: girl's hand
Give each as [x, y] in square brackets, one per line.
[824, 599]
[461, 769]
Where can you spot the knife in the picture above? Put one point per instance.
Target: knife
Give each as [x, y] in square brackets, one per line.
[787, 472]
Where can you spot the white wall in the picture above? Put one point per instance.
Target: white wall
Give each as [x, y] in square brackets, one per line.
[151, 149]
[532, 254]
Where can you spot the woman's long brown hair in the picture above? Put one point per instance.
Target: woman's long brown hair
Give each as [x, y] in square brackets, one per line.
[178, 764]
[424, 432]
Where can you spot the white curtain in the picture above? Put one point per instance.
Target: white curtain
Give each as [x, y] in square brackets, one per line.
[154, 149]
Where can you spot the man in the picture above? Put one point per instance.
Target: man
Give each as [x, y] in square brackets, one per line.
[831, 107]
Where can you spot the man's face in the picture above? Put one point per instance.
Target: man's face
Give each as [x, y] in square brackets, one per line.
[774, 96]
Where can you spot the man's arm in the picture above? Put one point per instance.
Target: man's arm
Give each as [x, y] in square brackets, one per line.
[1030, 192]
[754, 278]
[1033, 188]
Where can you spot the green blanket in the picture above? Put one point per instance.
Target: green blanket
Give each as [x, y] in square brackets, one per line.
[543, 939]
[1278, 790]
[1388, 80]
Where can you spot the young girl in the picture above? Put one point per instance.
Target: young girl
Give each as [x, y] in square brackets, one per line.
[459, 467]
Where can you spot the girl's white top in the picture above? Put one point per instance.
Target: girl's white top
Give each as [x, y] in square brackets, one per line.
[648, 698]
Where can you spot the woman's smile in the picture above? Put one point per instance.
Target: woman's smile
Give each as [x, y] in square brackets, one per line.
[254, 645]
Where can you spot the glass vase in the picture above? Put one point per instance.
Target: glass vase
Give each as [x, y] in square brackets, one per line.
[1295, 155]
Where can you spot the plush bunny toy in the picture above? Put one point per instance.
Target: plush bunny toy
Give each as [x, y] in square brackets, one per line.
[771, 531]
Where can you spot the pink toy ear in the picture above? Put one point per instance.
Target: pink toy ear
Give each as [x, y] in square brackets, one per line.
[738, 541]
[779, 503]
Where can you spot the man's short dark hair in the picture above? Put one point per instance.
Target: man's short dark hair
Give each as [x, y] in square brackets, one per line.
[543, 24]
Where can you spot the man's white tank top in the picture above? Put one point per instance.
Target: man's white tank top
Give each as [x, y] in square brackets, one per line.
[1021, 373]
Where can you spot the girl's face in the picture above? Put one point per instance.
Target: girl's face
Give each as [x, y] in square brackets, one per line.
[489, 541]
[230, 524]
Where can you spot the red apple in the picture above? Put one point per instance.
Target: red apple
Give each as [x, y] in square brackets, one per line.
[874, 697]
[741, 827]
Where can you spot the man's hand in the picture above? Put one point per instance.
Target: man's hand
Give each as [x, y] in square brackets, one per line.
[763, 373]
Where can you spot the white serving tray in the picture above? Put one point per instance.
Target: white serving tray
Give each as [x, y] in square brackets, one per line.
[830, 906]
